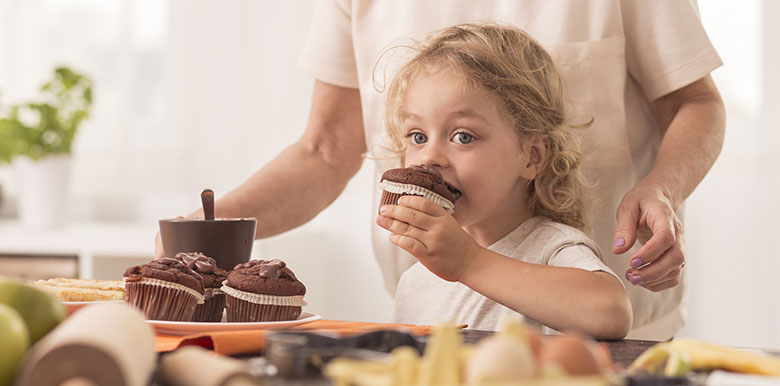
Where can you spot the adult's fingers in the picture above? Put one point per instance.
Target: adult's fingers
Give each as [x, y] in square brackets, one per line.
[627, 222]
[670, 281]
[662, 269]
[665, 232]
[158, 248]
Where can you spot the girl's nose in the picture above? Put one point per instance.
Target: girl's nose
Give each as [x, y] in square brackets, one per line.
[434, 155]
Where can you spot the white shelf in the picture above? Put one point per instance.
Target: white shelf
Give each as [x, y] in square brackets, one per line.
[87, 241]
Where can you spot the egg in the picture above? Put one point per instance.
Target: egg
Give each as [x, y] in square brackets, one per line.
[500, 359]
[572, 353]
[534, 339]
[603, 356]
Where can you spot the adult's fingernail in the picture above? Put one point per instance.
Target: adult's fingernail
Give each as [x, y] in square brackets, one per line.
[619, 242]
[637, 280]
[628, 276]
[637, 262]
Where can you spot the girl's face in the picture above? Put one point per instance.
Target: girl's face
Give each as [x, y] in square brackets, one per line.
[466, 135]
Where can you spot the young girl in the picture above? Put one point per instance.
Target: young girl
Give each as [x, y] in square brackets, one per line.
[483, 105]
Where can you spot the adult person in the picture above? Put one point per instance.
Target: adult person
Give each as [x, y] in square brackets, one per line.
[640, 68]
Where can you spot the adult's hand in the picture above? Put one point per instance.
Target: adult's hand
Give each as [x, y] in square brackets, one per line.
[646, 215]
[692, 117]
[159, 253]
[308, 175]
[158, 248]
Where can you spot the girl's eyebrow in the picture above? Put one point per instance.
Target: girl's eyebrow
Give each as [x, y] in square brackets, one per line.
[465, 113]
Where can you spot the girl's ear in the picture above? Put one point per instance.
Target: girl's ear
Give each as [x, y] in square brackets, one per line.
[538, 150]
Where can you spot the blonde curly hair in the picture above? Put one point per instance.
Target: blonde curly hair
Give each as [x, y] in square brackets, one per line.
[510, 65]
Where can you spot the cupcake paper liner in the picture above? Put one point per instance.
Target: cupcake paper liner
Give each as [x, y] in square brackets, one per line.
[211, 309]
[244, 306]
[389, 198]
[238, 310]
[162, 302]
[409, 189]
[296, 300]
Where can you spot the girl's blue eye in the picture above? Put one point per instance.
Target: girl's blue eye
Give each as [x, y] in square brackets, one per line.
[463, 138]
[418, 138]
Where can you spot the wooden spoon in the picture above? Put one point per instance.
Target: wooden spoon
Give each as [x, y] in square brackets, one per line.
[207, 199]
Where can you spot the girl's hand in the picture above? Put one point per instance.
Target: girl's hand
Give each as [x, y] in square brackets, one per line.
[430, 234]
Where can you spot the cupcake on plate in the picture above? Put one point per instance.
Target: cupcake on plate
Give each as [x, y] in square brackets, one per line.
[417, 181]
[212, 278]
[164, 289]
[263, 291]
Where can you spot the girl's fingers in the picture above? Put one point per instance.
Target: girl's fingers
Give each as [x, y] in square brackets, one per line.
[409, 244]
[422, 204]
[399, 227]
[408, 215]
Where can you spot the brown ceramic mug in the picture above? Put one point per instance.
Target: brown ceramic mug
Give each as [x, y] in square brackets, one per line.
[228, 240]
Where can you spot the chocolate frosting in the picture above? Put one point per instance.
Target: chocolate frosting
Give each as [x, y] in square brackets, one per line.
[423, 177]
[166, 269]
[265, 277]
[206, 267]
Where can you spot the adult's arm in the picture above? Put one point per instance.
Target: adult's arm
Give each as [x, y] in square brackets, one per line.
[309, 174]
[693, 122]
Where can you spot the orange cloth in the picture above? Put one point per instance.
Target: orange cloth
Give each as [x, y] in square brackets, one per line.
[253, 341]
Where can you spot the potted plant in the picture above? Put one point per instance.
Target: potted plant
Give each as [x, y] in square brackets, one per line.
[37, 137]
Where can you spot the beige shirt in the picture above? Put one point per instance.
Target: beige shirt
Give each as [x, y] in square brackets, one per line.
[615, 57]
[424, 298]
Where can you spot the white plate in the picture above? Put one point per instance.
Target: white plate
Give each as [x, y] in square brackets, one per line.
[187, 328]
[72, 307]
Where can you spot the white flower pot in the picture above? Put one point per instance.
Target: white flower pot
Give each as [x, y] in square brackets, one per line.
[43, 191]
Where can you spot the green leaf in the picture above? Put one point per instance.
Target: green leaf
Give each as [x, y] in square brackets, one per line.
[68, 97]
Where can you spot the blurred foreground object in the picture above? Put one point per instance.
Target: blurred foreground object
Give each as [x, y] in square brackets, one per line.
[106, 344]
[682, 356]
[82, 290]
[515, 355]
[40, 310]
[196, 366]
[14, 341]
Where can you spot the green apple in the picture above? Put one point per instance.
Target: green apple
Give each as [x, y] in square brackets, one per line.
[14, 340]
[40, 310]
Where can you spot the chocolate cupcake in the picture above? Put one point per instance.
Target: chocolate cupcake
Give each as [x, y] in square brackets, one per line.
[212, 278]
[263, 291]
[417, 181]
[164, 289]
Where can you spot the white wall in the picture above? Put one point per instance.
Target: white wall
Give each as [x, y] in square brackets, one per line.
[192, 94]
[200, 93]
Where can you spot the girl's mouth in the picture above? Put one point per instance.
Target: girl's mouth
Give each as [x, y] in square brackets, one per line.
[454, 191]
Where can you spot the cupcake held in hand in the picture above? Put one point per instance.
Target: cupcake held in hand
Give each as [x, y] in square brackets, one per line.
[212, 278]
[164, 289]
[417, 181]
[263, 291]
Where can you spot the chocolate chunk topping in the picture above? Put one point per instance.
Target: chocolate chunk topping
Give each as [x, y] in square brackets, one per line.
[272, 269]
[205, 267]
[266, 277]
[166, 269]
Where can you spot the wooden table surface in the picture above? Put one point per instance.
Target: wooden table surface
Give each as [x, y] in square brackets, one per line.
[623, 354]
